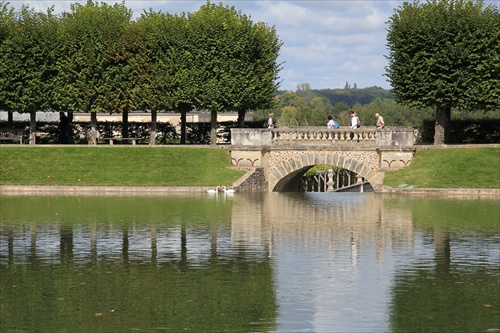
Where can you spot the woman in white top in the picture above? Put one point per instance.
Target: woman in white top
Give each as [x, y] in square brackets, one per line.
[331, 123]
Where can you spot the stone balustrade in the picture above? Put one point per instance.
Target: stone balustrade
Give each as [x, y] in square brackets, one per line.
[300, 136]
[364, 137]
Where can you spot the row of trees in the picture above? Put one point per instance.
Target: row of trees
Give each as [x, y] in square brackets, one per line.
[96, 58]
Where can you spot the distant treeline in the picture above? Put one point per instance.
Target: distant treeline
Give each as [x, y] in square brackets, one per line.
[348, 96]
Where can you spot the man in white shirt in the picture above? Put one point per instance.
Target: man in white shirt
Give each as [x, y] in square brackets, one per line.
[354, 124]
[380, 121]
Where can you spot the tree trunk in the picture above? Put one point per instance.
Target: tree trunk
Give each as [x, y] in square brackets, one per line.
[125, 124]
[213, 127]
[33, 127]
[70, 128]
[241, 118]
[63, 128]
[152, 136]
[10, 117]
[442, 126]
[183, 125]
[93, 128]
[66, 244]
[442, 252]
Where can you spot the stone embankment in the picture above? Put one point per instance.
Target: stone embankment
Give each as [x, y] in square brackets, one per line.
[442, 191]
[242, 185]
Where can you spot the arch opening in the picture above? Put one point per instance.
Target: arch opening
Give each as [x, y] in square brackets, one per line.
[288, 169]
[328, 179]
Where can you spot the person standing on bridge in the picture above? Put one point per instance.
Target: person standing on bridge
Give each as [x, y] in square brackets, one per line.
[355, 123]
[331, 123]
[270, 123]
[380, 121]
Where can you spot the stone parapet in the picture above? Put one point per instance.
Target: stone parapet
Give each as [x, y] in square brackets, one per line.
[251, 137]
[396, 137]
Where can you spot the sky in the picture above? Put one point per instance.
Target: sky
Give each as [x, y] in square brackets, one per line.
[325, 43]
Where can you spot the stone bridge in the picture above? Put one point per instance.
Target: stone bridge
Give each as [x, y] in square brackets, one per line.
[283, 155]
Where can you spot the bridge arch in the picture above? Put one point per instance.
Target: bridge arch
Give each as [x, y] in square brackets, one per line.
[287, 168]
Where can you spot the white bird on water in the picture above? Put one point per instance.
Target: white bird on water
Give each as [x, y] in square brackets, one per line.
[221, 189]
[217, 189]
[229, 190]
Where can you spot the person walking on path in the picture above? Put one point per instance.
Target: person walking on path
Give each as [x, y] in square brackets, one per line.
[380, 121]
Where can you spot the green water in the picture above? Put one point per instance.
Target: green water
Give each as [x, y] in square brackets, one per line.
[317, 262]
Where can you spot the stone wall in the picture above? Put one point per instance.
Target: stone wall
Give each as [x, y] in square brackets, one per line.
[253, 181]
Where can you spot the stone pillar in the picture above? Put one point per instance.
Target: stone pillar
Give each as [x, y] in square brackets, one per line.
[359, 180]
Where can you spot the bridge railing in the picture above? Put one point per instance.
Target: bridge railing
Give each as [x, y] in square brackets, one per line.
[320, 135]
[365, 137]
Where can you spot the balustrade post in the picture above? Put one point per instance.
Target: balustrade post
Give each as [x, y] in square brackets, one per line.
[330, 180]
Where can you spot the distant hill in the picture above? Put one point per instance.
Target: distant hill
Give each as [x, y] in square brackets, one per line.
[350, 96]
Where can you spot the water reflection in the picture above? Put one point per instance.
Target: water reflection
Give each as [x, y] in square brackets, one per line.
[256, 262]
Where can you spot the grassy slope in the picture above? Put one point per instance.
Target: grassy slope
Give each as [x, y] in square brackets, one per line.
[116, 166]
[450, 168]
[178, 166]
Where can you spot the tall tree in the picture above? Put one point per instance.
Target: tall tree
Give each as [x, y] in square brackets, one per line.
[159, 61]
[257, 67]
[120, 79]
[28, 61]
[445, 54]
[185, 81]
[235, 62]
[90, 32]
[7, 20]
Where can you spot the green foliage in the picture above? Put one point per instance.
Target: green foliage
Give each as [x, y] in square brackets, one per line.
[394, 114]
[94, 58]
[234, 58]
[89, 54]
[27, 58]
[445, 54]
[443, 168]
[293, 110]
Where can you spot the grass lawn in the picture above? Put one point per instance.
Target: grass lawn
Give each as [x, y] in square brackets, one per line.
[125, 166]
[181, 166]
[450, 168]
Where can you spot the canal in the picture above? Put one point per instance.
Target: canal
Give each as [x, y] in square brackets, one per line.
[249, 262]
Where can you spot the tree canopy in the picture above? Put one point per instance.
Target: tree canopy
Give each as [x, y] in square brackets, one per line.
[95, 58]
[445, 54]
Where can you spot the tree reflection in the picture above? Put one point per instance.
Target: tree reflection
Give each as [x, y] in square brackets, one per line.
[448, 296]
[168, 282]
